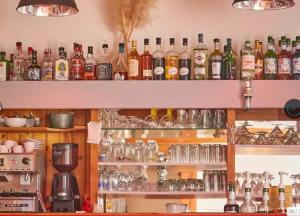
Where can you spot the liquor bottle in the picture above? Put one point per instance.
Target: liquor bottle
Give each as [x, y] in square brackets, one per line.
[11, 66]
[28, 60]
[61, 66]
[147, 62]
[19, 64]
[134, 60]
[231, 206]
[259, 61]
[281, 195]
[215, 63]
[248, 206]
[264, 206]
[294, 43]
[200, 61]
[185, 62]
[4, 67]
[270, 61]
[48, 66]
[34, 72]
[90, 65]
[296, 60]
[229, 67]
[289, 45]
[104, 66]
[284, 63]
[159, 62]
[172, 62]
[77, 64]
[121, 70]
[247, 61]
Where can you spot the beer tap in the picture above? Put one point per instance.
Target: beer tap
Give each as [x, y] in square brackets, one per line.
[248, 94]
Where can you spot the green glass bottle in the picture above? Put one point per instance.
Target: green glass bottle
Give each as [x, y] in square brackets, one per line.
[229, 63]
[270, 61]
[4, 66]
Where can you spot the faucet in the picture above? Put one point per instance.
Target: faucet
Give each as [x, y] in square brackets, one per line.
[248, 94]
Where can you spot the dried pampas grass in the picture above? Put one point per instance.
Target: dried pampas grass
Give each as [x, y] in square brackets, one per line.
[128, 15]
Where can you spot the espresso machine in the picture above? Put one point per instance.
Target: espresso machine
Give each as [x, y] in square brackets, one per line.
[65, 196]
[21, 182]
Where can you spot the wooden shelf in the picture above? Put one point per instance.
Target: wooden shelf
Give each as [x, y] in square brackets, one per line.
[203, 166]
[268, 149]
[41, 130]
[145, 94]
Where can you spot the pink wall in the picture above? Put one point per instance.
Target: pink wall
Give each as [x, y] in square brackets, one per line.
[215, 18]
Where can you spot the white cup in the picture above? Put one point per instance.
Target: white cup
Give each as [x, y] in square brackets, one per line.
[18, 149]
[10, 144]
[29, 146]
[4, 149]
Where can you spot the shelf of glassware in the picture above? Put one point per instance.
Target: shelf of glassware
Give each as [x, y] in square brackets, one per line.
[199, 165]
[268, 149]
[161, 194]
[198, 135]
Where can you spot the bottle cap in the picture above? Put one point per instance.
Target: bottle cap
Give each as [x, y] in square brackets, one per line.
[3, 54]
[30, 49]
[105, 46]
[185, 41]
[158, 41]
[134, 43]
[19, 44]
[216, 40]
[298, 38]
[61, 49]
[90, 49]
[34, 53]
[172, 41]
[270, 38]
[200, 38]
[146, 41]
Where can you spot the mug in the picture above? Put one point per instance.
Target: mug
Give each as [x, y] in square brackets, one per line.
[29, 146]
[4, 149]
[18, 149]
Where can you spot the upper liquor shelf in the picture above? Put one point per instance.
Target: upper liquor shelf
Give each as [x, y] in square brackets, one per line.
[144, 94]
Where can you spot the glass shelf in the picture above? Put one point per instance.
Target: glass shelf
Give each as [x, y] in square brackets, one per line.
[268, 149]
[202, 166]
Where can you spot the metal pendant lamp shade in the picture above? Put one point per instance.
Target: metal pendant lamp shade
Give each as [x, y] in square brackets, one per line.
[263, 4]
[52, 8]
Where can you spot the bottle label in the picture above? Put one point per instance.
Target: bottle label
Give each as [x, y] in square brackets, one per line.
[199, 71]
[34, 74]
[104, 71]
[47, 72]
[185, 68]
[89, 67]
[270, 66]
[216, 70]
[296, 65]
[281, 196]
[184, 71]
[248, 62]
[159, 71]
[172, 71]
[200, 58]
[147, 73]
[259, 67]
[77, 68]
[3, 67]
[133, 68]
[284, 66]
[62, 70]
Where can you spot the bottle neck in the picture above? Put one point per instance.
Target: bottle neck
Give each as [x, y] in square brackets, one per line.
[185, 48]
[217, 46]
[146, 48]
[247, 195]
[172, 47]
[298, 46]
[231, 197]
[158, 47]
[270, 46]
[283, 46]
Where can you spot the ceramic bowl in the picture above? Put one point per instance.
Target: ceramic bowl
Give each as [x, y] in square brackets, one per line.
[15, 122]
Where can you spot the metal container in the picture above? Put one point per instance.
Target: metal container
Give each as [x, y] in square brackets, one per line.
[176, 208]
[65, 156]
[62, 120]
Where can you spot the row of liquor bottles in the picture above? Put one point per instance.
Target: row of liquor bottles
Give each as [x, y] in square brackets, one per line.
[200, 65]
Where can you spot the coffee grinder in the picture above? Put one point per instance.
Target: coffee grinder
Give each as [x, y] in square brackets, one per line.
[65, 196]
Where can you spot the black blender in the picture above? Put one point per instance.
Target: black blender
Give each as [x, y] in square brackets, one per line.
[65, 196]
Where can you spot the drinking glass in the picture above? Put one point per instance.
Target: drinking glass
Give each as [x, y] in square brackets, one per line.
[206, 119]
[181, 119]
[219, 120]
[194, 154]
[193, 118]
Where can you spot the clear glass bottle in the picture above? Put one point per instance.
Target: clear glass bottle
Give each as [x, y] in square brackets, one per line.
[147, 62]
[172, 62]
[231, 206]
[134, 63]
[121, 70]
[215, 63]
[4, 67]
[200, 60]
[34, 72]
[270, 61]
[104, 66]
[90, 65]
[19, 64]
[284, 63]
[77, 64]
[247, 61]
[48, 66]
[248, 206]
[28, 60]
[61, 66]
[259, 61]
[296, 60]
[185, 62]
[159, 62]
[264, 206]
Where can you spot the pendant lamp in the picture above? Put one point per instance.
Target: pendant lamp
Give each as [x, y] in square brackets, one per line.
[263, 4]
[51, 8]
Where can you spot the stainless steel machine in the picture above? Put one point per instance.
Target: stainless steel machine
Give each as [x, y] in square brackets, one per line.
[21, 182]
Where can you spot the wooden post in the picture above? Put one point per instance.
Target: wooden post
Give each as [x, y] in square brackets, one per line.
[230, 150]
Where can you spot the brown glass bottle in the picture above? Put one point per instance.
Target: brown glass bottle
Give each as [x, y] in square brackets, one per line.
[259, 61]
[284, 63]
[147, 62]
[77, 64]
[134, 60]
